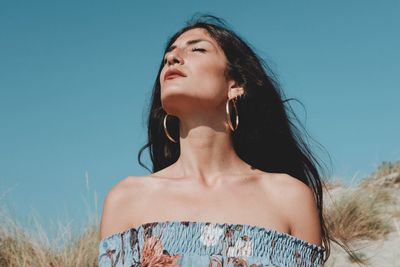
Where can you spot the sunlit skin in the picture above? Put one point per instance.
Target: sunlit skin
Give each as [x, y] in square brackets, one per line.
[199, 100]
[208, 182]
[202, 94]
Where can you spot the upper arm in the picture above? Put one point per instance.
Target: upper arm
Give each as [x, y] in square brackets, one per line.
[114, 216]
[302, 210]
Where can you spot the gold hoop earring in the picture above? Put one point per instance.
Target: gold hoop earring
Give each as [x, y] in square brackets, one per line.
[228, 114]
[166, 131]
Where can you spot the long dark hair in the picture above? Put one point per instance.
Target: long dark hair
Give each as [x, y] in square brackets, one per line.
[266, 138]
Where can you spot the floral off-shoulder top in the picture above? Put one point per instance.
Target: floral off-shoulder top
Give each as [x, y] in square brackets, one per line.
[205, 244]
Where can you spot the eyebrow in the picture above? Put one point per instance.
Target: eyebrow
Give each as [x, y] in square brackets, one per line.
[172, 47]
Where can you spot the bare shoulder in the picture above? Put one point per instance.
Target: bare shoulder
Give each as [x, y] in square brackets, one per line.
[126, 195]
[293, 188]
[298, 204]
[284, 186]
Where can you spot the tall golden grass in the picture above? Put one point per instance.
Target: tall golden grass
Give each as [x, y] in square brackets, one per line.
[367, 211]
[360, 213]
[18, 247]
[357, 213]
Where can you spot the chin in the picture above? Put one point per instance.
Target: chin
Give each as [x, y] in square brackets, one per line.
[170, 103]
[176, 103]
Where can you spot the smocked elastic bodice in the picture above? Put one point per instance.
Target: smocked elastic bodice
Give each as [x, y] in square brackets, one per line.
[185, 243]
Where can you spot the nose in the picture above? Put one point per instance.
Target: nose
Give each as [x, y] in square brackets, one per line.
[173, 58]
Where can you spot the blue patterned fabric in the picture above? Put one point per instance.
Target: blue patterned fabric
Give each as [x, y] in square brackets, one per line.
[190, 243]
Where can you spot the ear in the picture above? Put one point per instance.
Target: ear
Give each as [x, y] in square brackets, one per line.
[234, 89]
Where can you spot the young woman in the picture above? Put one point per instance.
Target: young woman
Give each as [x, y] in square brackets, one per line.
[233, 183]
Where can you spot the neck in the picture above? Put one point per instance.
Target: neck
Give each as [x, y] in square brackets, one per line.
[206, 152]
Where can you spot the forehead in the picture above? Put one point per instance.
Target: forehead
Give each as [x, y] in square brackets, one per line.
[196, 32]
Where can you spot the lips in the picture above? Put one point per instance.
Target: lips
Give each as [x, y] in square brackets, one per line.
[173, 73]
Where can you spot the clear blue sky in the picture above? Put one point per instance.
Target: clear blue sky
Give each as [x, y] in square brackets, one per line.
[76, 77]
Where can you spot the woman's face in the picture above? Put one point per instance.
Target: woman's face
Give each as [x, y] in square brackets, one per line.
[202, 63]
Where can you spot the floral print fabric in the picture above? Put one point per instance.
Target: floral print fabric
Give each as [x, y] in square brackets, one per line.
[185, 243]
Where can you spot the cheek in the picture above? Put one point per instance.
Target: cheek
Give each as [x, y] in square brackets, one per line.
[211, 78]
[162, 74]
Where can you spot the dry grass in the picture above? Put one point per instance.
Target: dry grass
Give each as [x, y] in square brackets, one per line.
[360, 213]
[330, 185]
[387, 174]
[365, 211]
[388, 167]
[20, 248]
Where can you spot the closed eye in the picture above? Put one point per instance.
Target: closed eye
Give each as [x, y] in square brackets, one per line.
[198, 49]
[202, 50]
